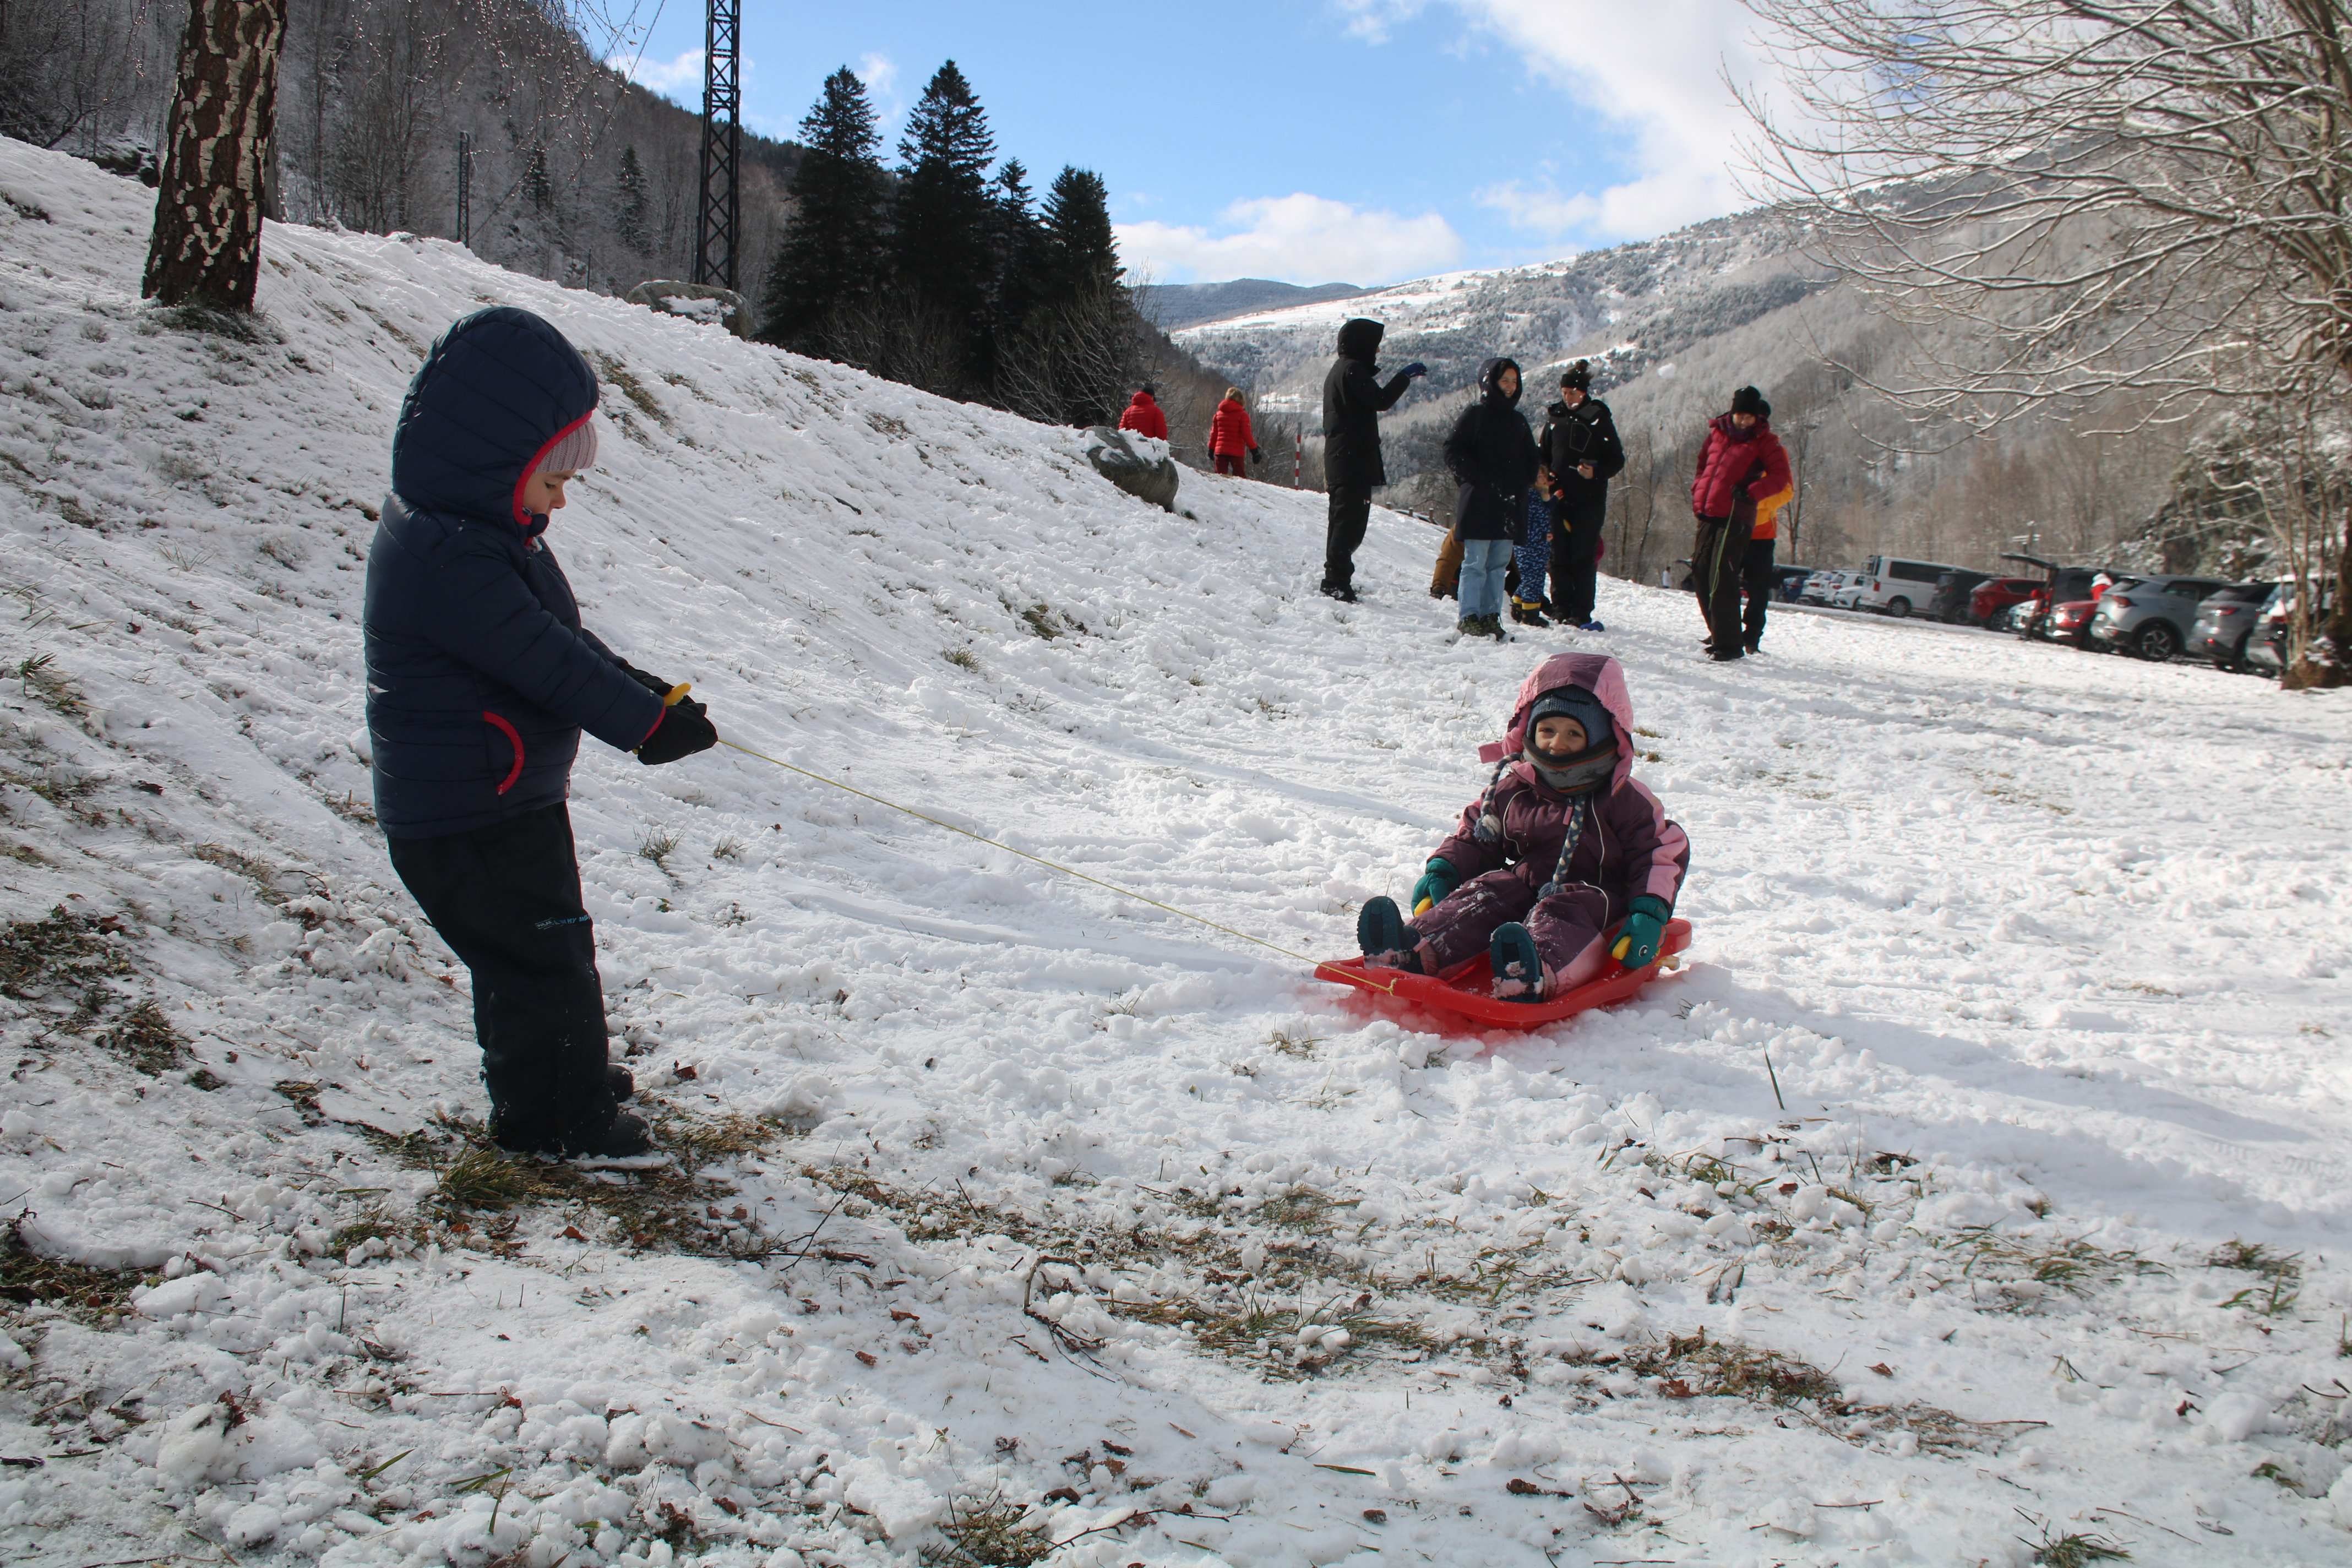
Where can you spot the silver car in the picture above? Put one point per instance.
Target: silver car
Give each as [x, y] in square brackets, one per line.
[2150, 615]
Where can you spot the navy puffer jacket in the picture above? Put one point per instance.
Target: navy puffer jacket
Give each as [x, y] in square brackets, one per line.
[479, 676]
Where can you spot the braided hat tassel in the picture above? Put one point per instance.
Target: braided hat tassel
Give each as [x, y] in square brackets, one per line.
[1567, 848]
[1489, 826]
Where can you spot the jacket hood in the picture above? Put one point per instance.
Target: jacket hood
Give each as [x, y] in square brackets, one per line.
[1731, 432]
[1490, 375]
[1142, 399]
[499, 389]
[1595, 672]
[1360, 338]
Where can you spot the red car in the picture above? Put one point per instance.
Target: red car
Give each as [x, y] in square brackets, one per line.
[1996, 594]
[2071, 623]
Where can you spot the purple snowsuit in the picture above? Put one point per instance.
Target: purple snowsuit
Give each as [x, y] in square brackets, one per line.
[1626, 846]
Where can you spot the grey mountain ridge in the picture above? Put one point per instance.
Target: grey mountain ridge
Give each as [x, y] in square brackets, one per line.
[1181, 305]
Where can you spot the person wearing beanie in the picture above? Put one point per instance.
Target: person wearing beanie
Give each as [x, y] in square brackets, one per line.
[1563, 863]
[1493, 459]
[1353, 400]
[1143, 415]
[1229, 433]
[480, 680]
[1580, 455]
[1742, 463]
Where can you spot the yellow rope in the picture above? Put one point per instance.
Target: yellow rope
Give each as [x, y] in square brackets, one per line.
[1040, 859]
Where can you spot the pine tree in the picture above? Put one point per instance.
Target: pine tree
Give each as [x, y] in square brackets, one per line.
[1016, 261]
[536, 185]
[1083, 257]
[630, 221]
[943, 212]
[833, 250]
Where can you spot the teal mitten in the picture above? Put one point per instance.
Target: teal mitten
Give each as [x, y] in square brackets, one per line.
[1644, 927]
[1438, 878]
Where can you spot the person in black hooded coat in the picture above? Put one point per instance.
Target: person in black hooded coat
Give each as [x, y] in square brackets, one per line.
[1581, 454]
[1353, 400]
[479, 679]
[1493, 458]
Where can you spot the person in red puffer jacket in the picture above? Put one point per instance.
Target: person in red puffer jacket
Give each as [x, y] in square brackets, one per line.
[1229, 433]
[1741, 464]
[1143, 415]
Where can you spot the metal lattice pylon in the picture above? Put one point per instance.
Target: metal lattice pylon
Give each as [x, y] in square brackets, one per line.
[720, 223]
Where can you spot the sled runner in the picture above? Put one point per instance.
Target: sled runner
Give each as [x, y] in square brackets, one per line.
[1464, 989]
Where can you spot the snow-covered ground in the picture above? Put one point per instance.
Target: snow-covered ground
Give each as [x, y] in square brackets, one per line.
[1981, 1184]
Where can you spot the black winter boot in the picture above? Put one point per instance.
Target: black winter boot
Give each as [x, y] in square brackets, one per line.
[1511, 954]
[1384, 938]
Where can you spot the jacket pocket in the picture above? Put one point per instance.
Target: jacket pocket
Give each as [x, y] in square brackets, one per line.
[514, 740]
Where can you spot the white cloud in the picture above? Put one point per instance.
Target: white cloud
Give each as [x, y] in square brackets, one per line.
[1298, 238]
[1651, 73]
[880, 75]
[682, 75]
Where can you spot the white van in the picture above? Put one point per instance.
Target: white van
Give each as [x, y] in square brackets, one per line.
[1894, 587]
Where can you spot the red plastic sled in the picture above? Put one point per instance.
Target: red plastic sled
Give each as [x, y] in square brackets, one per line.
[1464, 990]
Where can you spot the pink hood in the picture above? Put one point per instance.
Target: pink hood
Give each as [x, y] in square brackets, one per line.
[1595, 672]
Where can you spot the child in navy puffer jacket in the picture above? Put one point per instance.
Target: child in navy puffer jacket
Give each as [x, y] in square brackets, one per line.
[480, 680]
[1563, 844]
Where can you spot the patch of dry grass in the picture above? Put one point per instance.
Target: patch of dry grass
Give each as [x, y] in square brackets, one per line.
[89, 1295]
[678, 1207]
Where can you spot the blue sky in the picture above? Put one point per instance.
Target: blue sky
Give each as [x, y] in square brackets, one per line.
[1315, 140]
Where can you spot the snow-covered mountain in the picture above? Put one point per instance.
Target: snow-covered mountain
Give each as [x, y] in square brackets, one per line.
[1982, 1178]
[1630, 307]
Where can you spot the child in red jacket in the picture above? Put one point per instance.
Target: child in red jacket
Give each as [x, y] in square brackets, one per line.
[1563, 845]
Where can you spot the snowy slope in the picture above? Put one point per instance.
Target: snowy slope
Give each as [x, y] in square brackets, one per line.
[1001, 1191]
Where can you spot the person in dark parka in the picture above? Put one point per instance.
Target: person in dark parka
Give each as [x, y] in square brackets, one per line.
[1353, 400]
[1493, 459]
[1581, 454]
[480, 680]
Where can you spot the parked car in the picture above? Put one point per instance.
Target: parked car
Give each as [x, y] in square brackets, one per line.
[1789, 582]
[2006, 618]
[1820, 585]
[2065, 585]
[1895, 586]
[2266, 654]
[1953, 591]
[1850, 584]
[2070, 623]
[1995, 595]
[2150, 615]
[2225, 623]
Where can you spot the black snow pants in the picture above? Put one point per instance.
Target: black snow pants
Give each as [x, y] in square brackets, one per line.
[506, 899]
[1757, 580]
[1719, 556]
[1350, 514]
[1575, 540]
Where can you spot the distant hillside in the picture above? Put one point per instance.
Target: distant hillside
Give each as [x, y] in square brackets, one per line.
[1181, 305]
[1673, 325]
[578, 176]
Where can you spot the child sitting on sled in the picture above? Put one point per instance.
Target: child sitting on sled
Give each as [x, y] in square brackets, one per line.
[1562, 846]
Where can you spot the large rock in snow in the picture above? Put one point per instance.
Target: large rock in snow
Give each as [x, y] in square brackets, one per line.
[1140, 464]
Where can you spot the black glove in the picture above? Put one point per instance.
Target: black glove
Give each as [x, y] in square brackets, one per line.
[657, 687]
[1253, 457]
[1414, 370]
[684, 729]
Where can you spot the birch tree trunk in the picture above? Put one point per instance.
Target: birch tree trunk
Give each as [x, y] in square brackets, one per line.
[207, 247]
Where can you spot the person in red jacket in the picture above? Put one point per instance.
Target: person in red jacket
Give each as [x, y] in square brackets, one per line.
[1143, 415]
[1741, 464]
[1229, 433]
